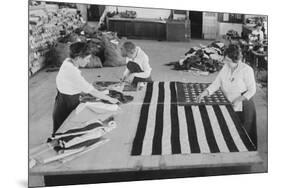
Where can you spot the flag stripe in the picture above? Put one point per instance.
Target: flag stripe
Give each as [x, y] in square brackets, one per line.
[166, 128]
[246, 139]
[147, 141]
[157, 139]
[184, 141]
[175, 140]
[204, 147]
[217, 131]
[194, 146]
[137, 143]
[208, 130]
[166, 139]
[223, 125]
[233, 131]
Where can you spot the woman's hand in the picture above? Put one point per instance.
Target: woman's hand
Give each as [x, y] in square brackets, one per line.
[238, 100]
[202, 95]
[131, 77]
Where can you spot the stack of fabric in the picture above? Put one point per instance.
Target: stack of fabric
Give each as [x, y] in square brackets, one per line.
[104, 47]
[232, 34]
[73, 142]
[204, 58]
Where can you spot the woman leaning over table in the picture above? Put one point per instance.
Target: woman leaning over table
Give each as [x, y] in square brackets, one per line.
[70, 84]
[237, 81]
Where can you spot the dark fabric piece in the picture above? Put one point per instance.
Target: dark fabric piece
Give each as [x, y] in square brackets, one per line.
[83, 144]
[249, 120]
[175, 140]
[86, 128]
[138, 141]
[194, 145]
[112, 93]
[64, 105]
[68, 138]
[225, 131]
[135, 68]
[120, 96]
[158, 132]
[112, 52]
[208, 130]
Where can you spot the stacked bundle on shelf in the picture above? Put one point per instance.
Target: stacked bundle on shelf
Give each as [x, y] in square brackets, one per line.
[46, 25]
[104, 47]
[204, 58]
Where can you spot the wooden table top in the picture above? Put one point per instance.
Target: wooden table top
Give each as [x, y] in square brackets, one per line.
[114, 156]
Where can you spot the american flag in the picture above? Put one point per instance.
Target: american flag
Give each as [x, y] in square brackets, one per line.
[165, 128]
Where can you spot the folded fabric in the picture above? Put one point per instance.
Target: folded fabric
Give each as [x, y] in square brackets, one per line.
[79, 131]
[96, 133]
[87, 149]
[120, 96]
[216, 57]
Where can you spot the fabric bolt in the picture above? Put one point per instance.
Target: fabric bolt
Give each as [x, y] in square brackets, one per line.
[99, 107]
[166, 128]
[83, 144]
[89, 127]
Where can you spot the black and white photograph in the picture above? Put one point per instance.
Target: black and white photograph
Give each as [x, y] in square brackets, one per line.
[122, 93]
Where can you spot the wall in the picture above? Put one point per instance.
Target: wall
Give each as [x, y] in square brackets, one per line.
[210, 24]
[144, 12]
[224, 27]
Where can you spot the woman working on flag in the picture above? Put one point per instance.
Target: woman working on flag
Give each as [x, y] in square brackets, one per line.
[138, 68]
[70, 84]
[237, 81]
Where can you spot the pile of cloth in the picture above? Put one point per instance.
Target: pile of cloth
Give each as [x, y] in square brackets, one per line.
[128, 14]
[204, 58]
[71, 144]
[105, 48]
[232, 34]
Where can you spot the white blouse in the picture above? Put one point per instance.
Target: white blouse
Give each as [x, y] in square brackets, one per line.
[143, 61]
[242, 80]
[70, 81]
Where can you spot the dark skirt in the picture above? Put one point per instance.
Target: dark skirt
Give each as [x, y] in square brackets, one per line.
[249, 119]
[64, 105]
[135, 68]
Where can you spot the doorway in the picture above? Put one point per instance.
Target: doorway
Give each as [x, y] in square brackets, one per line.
[196, 24]
[94, 12]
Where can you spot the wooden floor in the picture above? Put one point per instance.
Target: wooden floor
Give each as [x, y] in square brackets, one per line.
[42, 91]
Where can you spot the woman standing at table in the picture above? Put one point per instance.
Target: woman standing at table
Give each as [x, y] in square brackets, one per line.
[237, 81]
[70, 84]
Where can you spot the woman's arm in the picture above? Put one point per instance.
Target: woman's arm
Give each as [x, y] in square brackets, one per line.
[216, 84]
[146, 69]
[101, 95]
[249, 79]
[213, 87]
[86, 87]
[125, 74]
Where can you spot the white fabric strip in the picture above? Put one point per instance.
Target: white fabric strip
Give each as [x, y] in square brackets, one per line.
[216, 129]
[184, 141]
[148, 137]
[232, 129]
[202, 140]
[166, 138]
